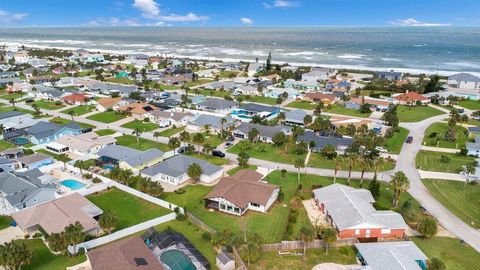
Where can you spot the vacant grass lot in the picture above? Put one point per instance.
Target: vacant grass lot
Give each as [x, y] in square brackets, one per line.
[16, 95]
[171, 131]
[340, 109]
[416, 113]
[470, 104]
[145, 144]
[212, 139]
[460, 200]
[105, 132]
[107, 117]
[48, 105]
[63, 121]
[305, 105]
[129, 209]
[43, 259]
[80, 110]
[454, 254]
[267, 151]
[10, 108]
[143, 126]
[394, 144]
[318, 160]
[211, 159]
[431, 161]
[440, 129]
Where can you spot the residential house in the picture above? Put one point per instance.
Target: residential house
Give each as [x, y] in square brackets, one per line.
[8, 81]
[214, 122]
[41, 80]
[302, 85]
[168, 118]
[38, 62]
[473, 131]
[20, 190]
[253, 68]
[173, 171]
[473, 148]
[76, 99]
[295, 117]
[47, 93]
[8, 74]
[216, 105]
[265, 133]
[411, 97]
[464, 81]
[326, 99]
[7, 165]
[45, 132]
[221, 85]
[375, 103]
[398, 255]
[128, 158]
[249, 110]
[140, 63]
[318, 74]
[241, 192]
[351, 213]
[35, 161]
[275, 92]
[21, 57]
[85, 144]
[53, 216]
[110, 89]
[339, 142]
[15, 121]
[12, 153]
[245, 89]
[28, 72]
[388, 75]
[106, 103]
[93, 58]
[138, 110]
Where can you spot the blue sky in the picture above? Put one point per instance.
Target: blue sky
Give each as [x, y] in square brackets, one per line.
[239, 12]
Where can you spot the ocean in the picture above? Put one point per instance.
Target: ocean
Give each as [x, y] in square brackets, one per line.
[445, 50]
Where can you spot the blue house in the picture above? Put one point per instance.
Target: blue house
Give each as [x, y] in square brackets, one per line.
[35, 161]
[46, 132]
[249, 110]
[278, 92]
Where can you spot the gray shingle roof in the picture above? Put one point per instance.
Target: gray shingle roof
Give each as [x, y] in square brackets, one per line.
[252, 107]
[4, 115]
[45, 129]
[322, 141]
[264, 131]
[213, 121]
[391, 255]
[464, 77]
[33, 158]
[131, 156]
[178, 165]
[19, 186]
[295, 116]
[217, 104]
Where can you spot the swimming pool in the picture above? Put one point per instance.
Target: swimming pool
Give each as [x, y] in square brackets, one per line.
[20, 141]
[176, 260]
[72, 184]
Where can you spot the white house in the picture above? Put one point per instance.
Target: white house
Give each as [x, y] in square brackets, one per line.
[464, 81]
[166, 118]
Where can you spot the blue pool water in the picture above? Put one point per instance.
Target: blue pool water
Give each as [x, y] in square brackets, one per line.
[72, 184]
[20, 141]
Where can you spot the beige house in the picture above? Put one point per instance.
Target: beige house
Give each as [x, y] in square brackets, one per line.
[84, 144]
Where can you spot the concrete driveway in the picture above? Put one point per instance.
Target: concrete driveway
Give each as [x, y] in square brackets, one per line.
[11, 233]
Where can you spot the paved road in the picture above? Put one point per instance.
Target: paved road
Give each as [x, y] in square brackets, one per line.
[406, 163]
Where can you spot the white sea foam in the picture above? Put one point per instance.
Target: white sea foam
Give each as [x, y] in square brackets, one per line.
[391, 59]
[350, 56]
[304, 53]
[463, 64]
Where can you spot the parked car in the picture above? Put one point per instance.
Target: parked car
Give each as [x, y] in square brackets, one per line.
[218, 153]
[230, 139]
[164, 124]
[409, 139]
[381, 150]
[228, 144]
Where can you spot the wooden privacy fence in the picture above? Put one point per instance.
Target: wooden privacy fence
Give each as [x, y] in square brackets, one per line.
[200, 223]
[317, 243]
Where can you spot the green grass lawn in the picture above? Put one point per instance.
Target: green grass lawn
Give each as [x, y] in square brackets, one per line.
[340, 109]
[211, 159]
[463, 202]
[43, 259]
[5, 222]
[120, 80]
[416, 113]
[431, 161]
[145, 144]
[318, 160]
[48, 105]
[107, 116]
[63, 121]
[16, 95]
[212, 139]
[225, 74]
[105, 132]
[171, 131]
[5, 145]
[129, 209]
[143, 126]
[256, 99]
[267, 151]
[80, 110]
[54, 155]
[199, 82]
[238, 168]
[470, 104]
[271, 260]
[305, 105]
[394, 144]
[10, 108]
[440, 129]
[454, 254]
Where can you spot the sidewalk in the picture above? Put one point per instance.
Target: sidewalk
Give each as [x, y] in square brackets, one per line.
[440, 149]
[441, 175]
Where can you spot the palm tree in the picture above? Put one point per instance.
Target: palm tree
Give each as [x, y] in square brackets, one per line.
[469, 170]
[13, 102]
[36, 109]
[352, 160]
[174, 143]
[198, 138]
[137, 133]
[207, 148]
[400, 184]
[377, 165]
[307, 235]
[207, 129]
[72, 114]
[365, 164]
[299, 163]
[329, 235]
[157, 134]
[194, 171]
[108, 221]
[184, 136]
[253, 134]
[2, 129]
[338, 166]
[63, 157]
[74, 235]
[223, 121]
[13, 255]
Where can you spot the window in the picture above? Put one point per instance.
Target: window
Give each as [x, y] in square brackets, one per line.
[357, 232]
[255, 204]
[222, 206]
[386, 231]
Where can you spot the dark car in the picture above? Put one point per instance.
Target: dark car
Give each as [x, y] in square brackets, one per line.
[228, 144]
[218, 153]
[409, 139]
[230, 139]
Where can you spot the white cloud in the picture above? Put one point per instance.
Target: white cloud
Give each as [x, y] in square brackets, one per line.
[414, 22]
[151, 10]
[19, 16]
[7, 17]
[246, 21]
[113, 21]
[281, 4]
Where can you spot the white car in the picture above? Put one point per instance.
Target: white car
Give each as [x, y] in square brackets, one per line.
[381, 149]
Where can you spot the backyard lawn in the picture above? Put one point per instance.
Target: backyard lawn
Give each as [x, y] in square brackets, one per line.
[63, 121]
[211, 159]
[129, 209]
[145, 144]
[432, 161]
[451, 251]
[460, 200]
[120, 80]
[10, 108]
[317, 160]
[305, 105]
[107, 116]
[171, 131]
[470, 104]
[416, 113]
[43, 259]
[80, 110]
[16, 95]
[340, 109]
[143, 126]
[5, 222]
[48, 105]
[436, 133]
[268, 151]
[54, 155]
[394, 144]
[238, 168]
[5, 145]
[105, 132]
[212, 139]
